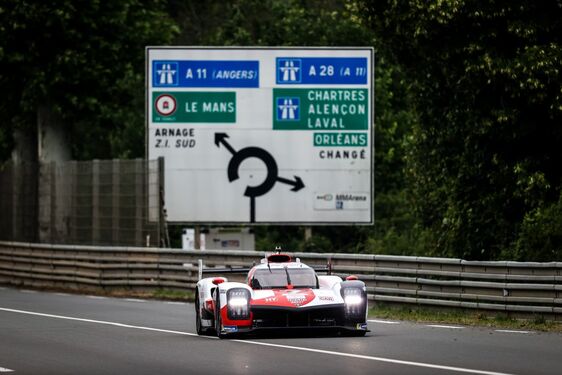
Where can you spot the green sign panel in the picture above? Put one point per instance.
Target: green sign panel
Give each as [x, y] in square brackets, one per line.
[320, 109]
[194, 106]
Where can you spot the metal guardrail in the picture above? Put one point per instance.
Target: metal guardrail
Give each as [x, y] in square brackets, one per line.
[67, 266]
[512, 287]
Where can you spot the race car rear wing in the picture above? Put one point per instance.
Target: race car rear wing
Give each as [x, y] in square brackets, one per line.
[214, 270]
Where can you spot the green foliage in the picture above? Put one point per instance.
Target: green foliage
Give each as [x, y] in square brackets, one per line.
[288, 237]
[396, 228]
[86, 61]
[317, 244]
[270, 23]
[6, 143]
[486, 84]
[540, 237]
[397, 231]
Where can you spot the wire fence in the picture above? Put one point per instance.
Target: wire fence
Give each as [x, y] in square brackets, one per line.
[18, 202]
[100, 202]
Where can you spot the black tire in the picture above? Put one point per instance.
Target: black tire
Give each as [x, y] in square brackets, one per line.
[199, 315]
[218, 319]
[198, 326]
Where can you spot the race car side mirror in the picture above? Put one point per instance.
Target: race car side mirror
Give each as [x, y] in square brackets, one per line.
[218, 280]
[255, 284]
[351, 277]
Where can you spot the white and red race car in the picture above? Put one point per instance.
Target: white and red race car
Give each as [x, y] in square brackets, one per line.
[278, 294]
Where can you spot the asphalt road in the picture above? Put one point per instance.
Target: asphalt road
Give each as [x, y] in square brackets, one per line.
[50, 333]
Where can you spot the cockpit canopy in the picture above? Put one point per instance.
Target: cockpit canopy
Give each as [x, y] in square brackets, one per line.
[280, 278]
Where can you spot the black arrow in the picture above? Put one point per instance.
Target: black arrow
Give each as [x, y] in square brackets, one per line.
[297, 183]
[254, 152]
[221, 138]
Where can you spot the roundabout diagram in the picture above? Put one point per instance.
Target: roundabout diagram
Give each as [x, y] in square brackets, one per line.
[272, 176]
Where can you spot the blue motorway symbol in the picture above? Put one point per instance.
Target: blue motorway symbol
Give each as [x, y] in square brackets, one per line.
[321, 70]
[289, 70]
[288, 109]
[165, 74]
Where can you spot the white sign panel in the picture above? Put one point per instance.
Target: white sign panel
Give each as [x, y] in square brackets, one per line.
[263, 135]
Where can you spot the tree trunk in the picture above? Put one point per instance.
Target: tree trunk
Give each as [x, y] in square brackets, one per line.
[53, 151]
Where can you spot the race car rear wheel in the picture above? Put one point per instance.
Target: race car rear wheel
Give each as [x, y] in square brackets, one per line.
[198, 326]
[199, 315]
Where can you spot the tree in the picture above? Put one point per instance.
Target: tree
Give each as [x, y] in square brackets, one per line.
[486, 83]
[84, 63]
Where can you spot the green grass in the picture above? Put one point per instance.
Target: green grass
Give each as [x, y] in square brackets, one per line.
[175, 295]
[161, 294]
[468, 318]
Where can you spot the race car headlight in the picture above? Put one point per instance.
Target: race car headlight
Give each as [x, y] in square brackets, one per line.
[355, 301]
[238, 302]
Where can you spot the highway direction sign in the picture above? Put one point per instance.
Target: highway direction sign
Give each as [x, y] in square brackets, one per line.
[263, 135]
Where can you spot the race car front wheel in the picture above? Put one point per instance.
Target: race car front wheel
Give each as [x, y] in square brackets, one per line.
[218, 318]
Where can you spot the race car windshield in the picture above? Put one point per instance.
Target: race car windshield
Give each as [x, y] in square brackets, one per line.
[277, 278]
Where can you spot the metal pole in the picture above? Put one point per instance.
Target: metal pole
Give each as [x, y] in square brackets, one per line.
[307, 233]
[197, 239]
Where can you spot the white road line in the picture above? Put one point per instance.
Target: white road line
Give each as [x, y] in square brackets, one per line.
[378, 359]
[2, 288]
[134, 300]
[511, 331]
[96, 297]
[382, 321]
[349, 355]
[3, 369]
[176, 303]
[28, 291]
[62, 294]
[99, 322]
[443, 326]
